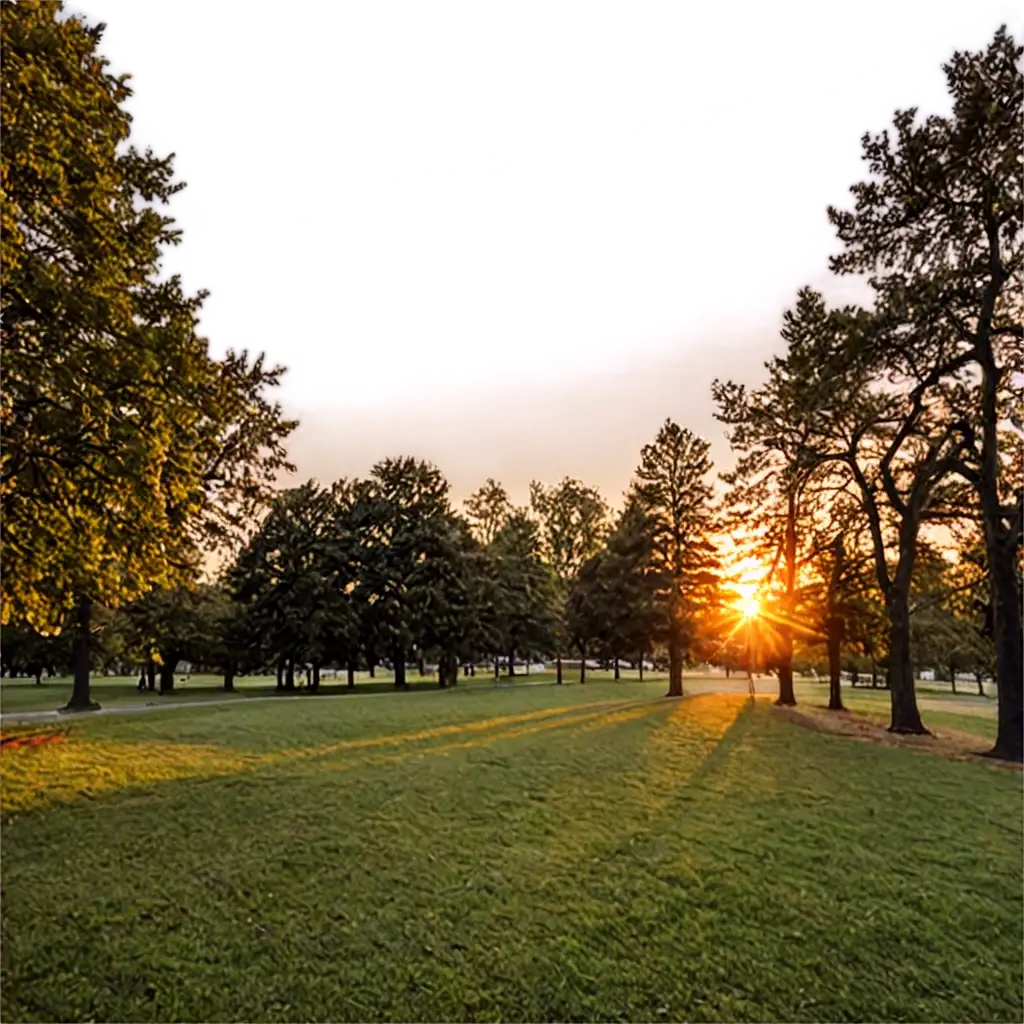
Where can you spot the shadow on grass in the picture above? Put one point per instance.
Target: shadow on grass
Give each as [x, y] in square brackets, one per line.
[37, 776]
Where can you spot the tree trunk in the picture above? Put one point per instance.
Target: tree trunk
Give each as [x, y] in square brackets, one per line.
[289, 675]
[558, 669]
[981, 685]
[617, 675]
[167, 668]
[834, 642]
[351, 667]
[905, 715]
[835, 630]
[512, 660]
[229, 676]
[1008, 636]
[874, 674]
[316, 675]
[675, 666]
[448, 669]
[1002, 547]
[400, 683]
[422, 666]
[372, 664]
[280, 675]
[39, 676]
[472, 670]
[497, 666]
[787, 696]
[952, 675]
[81, 698]
[640, 666]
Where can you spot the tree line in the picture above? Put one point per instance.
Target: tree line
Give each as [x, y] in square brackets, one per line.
[877, 477]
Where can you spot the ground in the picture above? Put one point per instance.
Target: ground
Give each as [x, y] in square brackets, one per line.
[537, 853]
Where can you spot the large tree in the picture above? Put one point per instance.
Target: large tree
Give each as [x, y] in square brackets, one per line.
[673, 491]
[897, 448]
[127, 447]
[938, 227]
[771, 505]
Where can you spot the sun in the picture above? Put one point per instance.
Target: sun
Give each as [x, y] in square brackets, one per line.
[747, 603]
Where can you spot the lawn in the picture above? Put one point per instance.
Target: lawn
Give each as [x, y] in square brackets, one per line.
[530, 853]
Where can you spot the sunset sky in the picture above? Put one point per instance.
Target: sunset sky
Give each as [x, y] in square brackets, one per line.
[513, 238]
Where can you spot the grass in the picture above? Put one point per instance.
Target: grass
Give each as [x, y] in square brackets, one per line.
[536, 853]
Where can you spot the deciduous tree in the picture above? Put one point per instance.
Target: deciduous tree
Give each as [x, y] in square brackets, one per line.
[127, 447]
[938, 226]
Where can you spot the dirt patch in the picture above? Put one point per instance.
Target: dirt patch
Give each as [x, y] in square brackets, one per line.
[963, 746]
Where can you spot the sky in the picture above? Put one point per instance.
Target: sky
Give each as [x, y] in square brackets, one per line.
[514, 238]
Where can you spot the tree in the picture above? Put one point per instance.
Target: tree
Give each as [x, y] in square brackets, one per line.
[938, 226]
[770, 499]
[524, 587]
[631, 586]
[488, 509]
[897, 449]
[226, 640]
[573, 522]
[587, 609]
[281, 575]
[171, 625]
[945, 625]
[126, 445]
[672, 490]
[400, 517]
[447, 614]
[26, 652]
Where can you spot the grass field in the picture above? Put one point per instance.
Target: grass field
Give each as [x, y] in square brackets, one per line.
[538, 853]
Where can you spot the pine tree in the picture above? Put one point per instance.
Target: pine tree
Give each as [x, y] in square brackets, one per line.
[672, 489]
